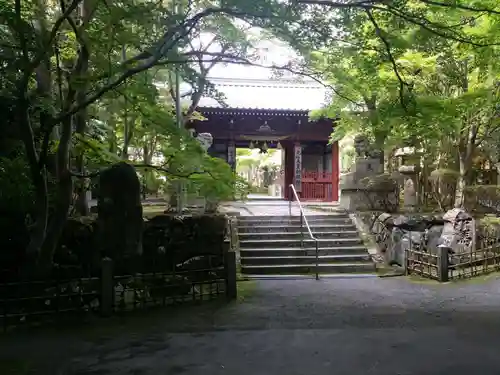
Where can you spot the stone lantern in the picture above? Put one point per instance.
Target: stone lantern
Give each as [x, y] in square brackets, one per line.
[409, 168]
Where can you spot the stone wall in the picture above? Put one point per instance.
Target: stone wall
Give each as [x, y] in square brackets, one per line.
[168, 241]
[395, 234]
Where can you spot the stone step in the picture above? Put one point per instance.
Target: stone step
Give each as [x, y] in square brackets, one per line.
[301, 269]
[311, 251]
[316, 227]
[295, 221]
[295, 215]
[293, 218]
[298, 235]
[270, 243]
[309, 260]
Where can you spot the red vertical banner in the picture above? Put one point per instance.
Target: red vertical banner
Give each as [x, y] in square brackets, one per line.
[335, 171]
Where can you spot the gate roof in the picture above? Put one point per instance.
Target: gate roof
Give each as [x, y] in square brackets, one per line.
[266, 95]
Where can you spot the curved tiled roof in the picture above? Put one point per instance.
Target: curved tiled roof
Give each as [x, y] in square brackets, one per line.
[253, 94]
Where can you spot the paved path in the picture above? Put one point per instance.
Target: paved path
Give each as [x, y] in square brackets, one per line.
[271, 207]
[301, 327]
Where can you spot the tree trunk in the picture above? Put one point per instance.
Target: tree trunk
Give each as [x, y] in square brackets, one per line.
[38, 161]
[39, 180]
[146, 153]
[462, 181]
[128, 135]
[112, 143]
[63, 202]
[380, 139]
[82, 186]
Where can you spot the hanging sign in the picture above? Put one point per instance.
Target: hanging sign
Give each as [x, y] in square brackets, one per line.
[298, 168]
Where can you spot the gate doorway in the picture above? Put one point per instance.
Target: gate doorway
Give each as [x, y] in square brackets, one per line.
[262, 167]
[317, 186]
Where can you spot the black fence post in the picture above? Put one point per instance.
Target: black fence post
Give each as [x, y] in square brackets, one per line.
[107, 287]
[443, 263]
[230, 268]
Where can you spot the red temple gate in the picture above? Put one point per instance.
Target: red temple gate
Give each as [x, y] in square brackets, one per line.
[310, 162]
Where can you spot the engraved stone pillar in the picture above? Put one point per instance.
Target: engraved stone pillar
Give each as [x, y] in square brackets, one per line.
[410, 173]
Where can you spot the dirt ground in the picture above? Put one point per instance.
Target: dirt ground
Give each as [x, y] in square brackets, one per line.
[293, 327]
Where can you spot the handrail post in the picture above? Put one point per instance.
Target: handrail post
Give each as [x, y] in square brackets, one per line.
[303, 219]
[301, 231]
[290, 197]
[317, 261]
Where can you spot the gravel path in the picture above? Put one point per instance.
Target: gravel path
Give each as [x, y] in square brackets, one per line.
[305, 327]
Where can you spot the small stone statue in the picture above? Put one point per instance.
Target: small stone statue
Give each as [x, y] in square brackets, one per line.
[409, 194]
[364, 149]
[361, 145]
[205, 140]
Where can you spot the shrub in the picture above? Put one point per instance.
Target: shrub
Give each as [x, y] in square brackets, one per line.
[482, 199]
[381, 191]
[443, 185]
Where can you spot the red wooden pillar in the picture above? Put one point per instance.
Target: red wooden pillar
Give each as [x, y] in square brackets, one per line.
[289, 164]
[335, 171]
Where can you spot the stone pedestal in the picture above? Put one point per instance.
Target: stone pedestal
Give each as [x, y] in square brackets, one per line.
[367, 167]
[358, 195]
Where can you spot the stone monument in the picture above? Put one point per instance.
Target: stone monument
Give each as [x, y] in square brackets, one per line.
[459, 235]
[120, 221]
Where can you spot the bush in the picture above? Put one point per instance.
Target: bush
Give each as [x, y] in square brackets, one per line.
[218, 182]
[443, 185]
[16, 193]
[381, 192]
[482, 199]
[171, 241]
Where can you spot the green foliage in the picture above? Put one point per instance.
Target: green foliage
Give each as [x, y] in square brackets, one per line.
[414, 73]
[219, 182]
[16, 191]
[399, 74]
[98, 85]
[482, 198]
[347, 160]
[153, 182]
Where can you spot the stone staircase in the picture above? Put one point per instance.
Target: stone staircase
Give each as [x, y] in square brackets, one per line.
[272, 246]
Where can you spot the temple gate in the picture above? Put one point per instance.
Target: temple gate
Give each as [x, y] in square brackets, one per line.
[255, 114]
[311, 163]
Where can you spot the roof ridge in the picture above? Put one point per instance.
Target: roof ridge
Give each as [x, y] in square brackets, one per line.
[268, 86]
[297, 81]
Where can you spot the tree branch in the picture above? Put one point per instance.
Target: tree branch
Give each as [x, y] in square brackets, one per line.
[398, 13]
[335, 4]
[402, 83]
[151, 58]
[373, 5]
[460, 6]
[142, 166]
[43, 53]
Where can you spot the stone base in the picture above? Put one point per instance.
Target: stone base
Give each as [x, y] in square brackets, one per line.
[365, 200]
